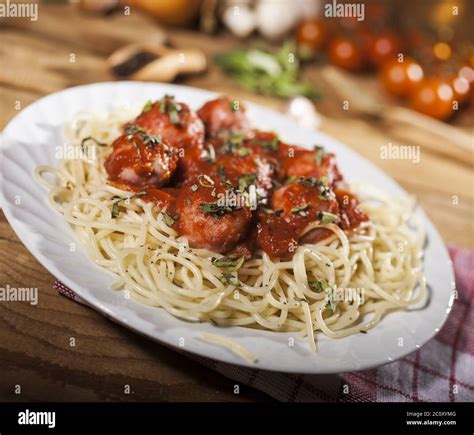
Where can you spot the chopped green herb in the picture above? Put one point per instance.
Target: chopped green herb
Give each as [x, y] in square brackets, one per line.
[168, 105]
[115, 209]
[302, 210]
[233, 141]
[169, 220]
[318, 154]
[245, 181]
[324, 188]
[216, 208]
[305, 181]
[276, 213]
[162, 105]
[326, 217]
[331, 299]
[174, 115]
[229, 278]
[318, 286]
[148, 139]
[269, 145]
[230, 262]
[147, 107]
[243, 151]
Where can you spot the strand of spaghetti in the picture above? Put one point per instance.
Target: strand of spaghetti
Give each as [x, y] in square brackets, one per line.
[230, 344]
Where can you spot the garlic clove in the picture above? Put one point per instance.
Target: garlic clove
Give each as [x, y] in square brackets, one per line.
[240, 20]
[303, 111]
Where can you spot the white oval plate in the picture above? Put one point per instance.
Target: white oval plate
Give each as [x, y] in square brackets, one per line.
[30, 139]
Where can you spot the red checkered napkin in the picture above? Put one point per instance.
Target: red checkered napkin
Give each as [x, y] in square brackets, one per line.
[441, 371]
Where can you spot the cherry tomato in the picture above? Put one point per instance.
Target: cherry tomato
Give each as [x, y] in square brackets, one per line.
[433, 97]
[311, 35]
[467, 72]
[461, 89]
[345, 53]
[381, 47]
[401, 78]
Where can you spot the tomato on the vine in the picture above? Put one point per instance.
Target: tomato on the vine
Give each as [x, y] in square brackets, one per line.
[311, 35]
[381, 47]
[401, 78]
[461, 89]
[433, 97]
[345, 53]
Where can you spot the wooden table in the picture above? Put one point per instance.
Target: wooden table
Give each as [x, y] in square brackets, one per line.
[34, 341]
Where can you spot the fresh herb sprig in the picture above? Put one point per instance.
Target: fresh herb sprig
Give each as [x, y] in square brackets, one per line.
[274, 74]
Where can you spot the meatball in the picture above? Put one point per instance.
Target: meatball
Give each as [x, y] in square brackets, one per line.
[140, 159]
[246, 171]
[174, 122]
[298, 162]
[223, 114]
[300, 204]
[210, 215]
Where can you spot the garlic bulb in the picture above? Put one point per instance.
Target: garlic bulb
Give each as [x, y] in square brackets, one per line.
[239, 19]
[302, 110]
[275, 18]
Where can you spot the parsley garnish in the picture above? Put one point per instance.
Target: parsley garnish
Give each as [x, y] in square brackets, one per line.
[115, 209]
[245, 181]
[118, 199]
[216, 208]
[326, 217]
[168, 105]
[233, 142]
[276, 213]
[302, 210]
[270, 145]
[148, 139]
[318, 286]
[169, 220]
[230, 262]
[147, 107]
[331, 299]
[318, 154]
[229, 278]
